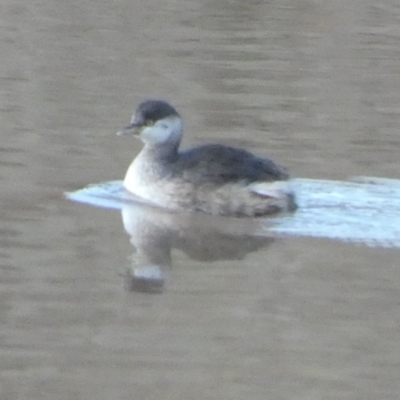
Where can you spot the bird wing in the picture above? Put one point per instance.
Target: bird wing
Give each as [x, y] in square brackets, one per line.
[217, 164]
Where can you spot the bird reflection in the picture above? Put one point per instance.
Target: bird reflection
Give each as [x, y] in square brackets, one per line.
[154, 233]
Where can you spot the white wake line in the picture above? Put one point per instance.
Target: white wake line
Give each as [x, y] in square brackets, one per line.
[364, 209]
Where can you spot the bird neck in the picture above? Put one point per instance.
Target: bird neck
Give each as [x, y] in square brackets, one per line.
[161, 154]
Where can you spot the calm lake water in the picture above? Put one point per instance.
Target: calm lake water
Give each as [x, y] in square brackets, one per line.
[313, 84]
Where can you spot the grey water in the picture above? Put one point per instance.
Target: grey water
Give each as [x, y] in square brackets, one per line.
[313, 85]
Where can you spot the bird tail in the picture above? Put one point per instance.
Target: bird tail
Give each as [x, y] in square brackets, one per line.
[279, 193]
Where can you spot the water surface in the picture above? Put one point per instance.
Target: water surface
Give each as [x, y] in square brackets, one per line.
[314, 85]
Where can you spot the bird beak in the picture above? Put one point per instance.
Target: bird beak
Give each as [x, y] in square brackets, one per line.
[132, 129]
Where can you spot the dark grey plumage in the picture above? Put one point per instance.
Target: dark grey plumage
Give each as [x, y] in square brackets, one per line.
[219, 165]
[151, 111]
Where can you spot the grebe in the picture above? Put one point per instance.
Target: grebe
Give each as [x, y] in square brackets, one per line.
[215, 179]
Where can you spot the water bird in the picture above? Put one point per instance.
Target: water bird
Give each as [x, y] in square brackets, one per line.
[213, 178]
